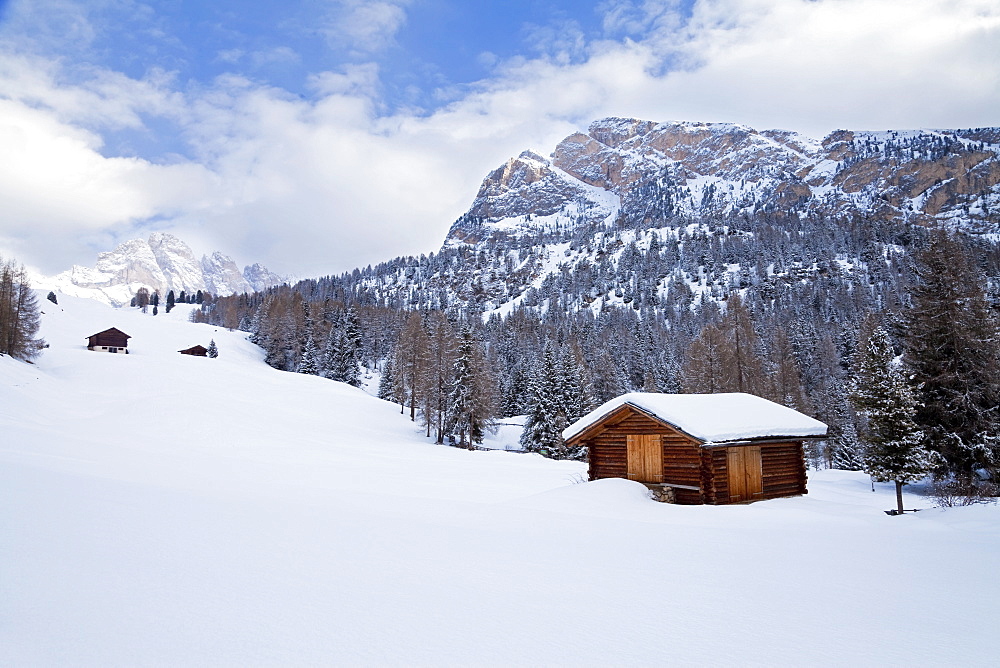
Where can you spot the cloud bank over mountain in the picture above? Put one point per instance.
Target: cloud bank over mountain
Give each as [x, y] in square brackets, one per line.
[349, 166]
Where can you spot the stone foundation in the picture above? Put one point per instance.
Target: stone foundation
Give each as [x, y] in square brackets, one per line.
[661, 493]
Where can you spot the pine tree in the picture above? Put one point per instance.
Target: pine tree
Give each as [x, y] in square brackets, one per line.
[341, 353]
[848, 454]
[883, 397]
[309, 363]
[213, 350]
[470, 400]
[170, 301]
[953, 346]
[545, 420]
[388, 384]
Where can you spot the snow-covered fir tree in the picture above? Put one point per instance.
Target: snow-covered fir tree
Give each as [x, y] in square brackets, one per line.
[309, 362]
[388, 384]
[883, 397]
[546, 417]
[213, 349]
[470, 401]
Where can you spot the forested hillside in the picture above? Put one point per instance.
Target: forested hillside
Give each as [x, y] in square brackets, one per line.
[682, 257]
[768, 305]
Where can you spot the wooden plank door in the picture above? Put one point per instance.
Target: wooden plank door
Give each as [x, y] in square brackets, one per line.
[645, 457]
[746, 479]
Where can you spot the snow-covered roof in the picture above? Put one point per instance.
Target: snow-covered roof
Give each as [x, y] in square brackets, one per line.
[712, 418]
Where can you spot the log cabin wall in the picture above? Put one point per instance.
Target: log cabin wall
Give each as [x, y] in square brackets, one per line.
[608, 448]
[783, 471]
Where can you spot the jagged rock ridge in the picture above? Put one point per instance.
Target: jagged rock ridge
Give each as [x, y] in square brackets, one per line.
[642, 172]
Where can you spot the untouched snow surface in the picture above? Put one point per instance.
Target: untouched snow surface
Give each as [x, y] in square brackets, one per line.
[712, 418]
[159, 509]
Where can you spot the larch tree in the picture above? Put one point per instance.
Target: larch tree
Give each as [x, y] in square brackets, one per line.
[411, 361]
[703, 371]
[19, 314]
[883, 397]
[741, 364]
[142, 298]
[436, 383]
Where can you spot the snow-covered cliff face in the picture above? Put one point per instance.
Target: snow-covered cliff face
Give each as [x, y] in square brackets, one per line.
[161, 263]
[642, 171]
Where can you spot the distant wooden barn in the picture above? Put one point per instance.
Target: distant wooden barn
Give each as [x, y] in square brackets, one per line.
[198, 351]
[699, 448]
[111, 340]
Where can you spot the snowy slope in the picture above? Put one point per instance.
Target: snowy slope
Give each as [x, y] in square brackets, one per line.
[159, 509]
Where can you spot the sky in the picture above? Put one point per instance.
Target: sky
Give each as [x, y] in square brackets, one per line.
[316, 136]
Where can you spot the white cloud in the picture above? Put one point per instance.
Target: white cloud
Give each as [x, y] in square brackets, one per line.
[365, 26]
[324, 185]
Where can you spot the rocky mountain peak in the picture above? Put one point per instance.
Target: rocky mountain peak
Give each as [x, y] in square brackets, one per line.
[162, 263]
[628, 169]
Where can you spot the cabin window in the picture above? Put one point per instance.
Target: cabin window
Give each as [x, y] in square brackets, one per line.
[112, 350]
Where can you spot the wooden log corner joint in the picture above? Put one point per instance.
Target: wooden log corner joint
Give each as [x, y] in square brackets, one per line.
[698, 448]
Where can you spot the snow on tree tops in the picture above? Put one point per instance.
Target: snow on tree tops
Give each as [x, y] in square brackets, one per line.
[712, 418]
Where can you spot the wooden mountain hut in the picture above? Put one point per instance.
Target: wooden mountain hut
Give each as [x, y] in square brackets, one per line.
[699, 448]
[111, 340]
[198, 351]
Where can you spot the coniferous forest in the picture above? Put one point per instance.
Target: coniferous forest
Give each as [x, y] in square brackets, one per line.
[550, 325]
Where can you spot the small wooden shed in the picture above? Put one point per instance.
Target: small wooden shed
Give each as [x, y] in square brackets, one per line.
[198, 351]
[701, 448]
[111, 340]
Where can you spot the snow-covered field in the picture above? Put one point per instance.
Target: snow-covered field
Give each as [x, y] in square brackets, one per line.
[159, 509]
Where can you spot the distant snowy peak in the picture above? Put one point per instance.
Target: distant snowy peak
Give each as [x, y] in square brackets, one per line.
[222, 276]
[161, 263]
[646, 171]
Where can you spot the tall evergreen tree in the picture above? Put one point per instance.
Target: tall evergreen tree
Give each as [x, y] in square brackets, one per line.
[309, 362]
[545, 420]
[309, 359]
[389, 386]
[213, 350]
[470, 402]
[953, 347]
[883, 397]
